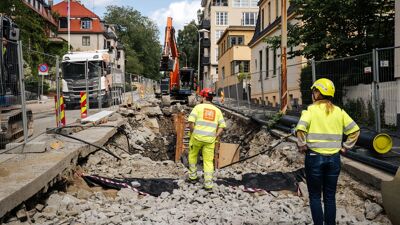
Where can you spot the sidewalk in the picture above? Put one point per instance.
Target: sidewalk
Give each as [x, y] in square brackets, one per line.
[46, 106]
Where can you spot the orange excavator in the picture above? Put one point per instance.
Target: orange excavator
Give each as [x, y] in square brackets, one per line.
[178, 83]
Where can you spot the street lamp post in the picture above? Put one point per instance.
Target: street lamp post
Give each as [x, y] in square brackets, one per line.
[198, 55]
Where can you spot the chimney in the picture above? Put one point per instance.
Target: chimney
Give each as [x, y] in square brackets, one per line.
[50, 3]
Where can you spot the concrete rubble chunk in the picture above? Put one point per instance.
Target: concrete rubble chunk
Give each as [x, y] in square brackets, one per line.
[372, 210]
[126, 194]
[22, 215]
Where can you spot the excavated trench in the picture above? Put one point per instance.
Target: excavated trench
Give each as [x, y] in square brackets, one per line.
[267, 189]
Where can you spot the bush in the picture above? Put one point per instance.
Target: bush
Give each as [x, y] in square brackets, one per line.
[33, 84]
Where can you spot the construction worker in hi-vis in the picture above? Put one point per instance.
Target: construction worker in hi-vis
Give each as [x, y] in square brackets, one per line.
[320, 136]
[206, 124]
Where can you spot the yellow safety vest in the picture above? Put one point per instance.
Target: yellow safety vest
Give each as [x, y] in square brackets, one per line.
[325, 131]
[206, 118]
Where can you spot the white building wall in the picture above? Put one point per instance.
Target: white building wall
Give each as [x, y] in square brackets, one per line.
[387, 93]
[96, 41]
[234, 19]
[271, 84]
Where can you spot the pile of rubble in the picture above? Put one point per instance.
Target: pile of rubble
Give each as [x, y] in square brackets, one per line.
[151, 137]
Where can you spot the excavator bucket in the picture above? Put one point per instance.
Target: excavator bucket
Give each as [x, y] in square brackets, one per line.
[391, 198]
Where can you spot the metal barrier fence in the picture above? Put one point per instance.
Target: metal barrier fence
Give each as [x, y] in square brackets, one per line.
[16, 120]
[366, 87]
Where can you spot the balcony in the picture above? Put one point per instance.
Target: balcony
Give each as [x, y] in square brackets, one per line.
[205, 43]
[205, 60]
[205, 24]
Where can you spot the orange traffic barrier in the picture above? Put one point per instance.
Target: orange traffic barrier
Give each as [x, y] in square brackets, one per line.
[83, 105]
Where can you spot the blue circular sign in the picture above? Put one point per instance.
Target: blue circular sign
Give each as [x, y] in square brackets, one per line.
[43, 68]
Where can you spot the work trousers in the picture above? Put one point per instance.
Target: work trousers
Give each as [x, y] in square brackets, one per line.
[208, 160]
[322, 172]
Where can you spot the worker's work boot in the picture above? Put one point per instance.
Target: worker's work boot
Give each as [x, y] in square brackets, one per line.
[192, 180]
[208, 186]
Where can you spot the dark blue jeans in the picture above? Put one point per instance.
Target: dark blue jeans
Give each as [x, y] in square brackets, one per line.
[322, 172]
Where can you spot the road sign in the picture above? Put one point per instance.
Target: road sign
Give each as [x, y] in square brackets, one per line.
[43, 69]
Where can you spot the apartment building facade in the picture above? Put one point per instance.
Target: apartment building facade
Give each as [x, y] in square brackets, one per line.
[265, 66]
[217, 15]
[233, 62]
[87, 30]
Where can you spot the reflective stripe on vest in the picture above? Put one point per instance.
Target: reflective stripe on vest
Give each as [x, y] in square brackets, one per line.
[332, 144]
[324, 137]
[205, 133]
[206, 124]
[350, 126]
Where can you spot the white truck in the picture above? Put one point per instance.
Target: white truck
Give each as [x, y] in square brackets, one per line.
[104, 82]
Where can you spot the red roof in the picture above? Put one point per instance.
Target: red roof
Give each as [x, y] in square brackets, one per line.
[78, 11]
[76, 27]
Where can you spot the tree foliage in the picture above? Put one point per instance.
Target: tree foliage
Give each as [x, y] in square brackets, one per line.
[33, 34]
[337, 28]
[188, 45]
[139, 35]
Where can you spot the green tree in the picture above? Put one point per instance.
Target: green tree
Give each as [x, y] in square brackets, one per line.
[140, 37]
[188, 44]
[337, 28]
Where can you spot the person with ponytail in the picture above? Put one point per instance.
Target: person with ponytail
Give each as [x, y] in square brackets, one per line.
[320, 136]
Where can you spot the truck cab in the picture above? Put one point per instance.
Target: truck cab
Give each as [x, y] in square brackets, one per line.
[104, 82]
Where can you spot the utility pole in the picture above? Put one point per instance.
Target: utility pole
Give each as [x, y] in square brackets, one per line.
[69, 25]
[284, 94]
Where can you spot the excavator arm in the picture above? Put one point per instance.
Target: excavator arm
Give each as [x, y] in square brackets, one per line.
[170, 56]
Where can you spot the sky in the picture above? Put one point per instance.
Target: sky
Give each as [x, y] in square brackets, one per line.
[182, 11]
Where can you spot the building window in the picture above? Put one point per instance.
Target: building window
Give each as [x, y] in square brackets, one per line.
[241, 3]
[262, 19]
[86, 24]
[254, 3]
[235, 40]
[63, 22]
[218, 34]
[274, 62]
[276, 8]
[269, 12]
[118, 54]
[240, 67]
[85, 40]
[260, 60]
[223, 72]
[221, 18]
[249, 18]
[216, 54]
[267, 62]
[220, 2]
[108, 44]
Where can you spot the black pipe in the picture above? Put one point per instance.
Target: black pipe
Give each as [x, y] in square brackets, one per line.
[289, 121]
[365, 140]
[88, 143]
[386, 166]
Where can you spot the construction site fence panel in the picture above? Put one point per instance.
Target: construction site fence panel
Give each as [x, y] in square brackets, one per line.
[367, 87]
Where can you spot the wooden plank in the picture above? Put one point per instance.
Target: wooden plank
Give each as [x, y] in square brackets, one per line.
[227, 154]
[180, 129]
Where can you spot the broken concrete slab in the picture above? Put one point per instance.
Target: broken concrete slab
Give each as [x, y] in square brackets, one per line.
[32, 172]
